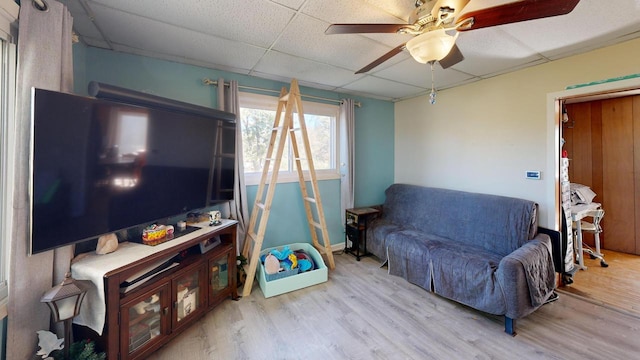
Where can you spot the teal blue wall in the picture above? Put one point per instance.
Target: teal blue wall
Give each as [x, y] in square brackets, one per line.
[287, 223]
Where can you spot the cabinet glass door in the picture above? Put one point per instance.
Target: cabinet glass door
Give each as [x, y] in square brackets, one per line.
[143, 319]
[189, 296]
[218, 275]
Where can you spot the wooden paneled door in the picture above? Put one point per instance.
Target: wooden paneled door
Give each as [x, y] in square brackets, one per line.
[603, 141]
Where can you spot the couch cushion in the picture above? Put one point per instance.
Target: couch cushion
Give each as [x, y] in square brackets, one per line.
[467, 274]
[377, 232]
[496, 223]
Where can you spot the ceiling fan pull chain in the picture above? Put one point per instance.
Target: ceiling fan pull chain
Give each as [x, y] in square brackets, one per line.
[432, 95]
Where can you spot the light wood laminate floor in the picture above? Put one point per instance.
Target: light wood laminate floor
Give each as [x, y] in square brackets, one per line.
[364, 313]
[616, 286]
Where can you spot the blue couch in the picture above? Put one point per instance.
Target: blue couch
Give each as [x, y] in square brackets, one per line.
[480, 250]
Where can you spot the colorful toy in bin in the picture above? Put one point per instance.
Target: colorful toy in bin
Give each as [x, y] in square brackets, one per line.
[308, 259]
[279, 264]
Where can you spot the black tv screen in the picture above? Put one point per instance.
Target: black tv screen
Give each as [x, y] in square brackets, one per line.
[100, 166]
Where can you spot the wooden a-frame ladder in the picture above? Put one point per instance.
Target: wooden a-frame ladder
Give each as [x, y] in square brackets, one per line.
[283, 127]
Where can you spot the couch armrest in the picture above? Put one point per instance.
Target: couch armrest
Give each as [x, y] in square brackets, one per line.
[527, 276]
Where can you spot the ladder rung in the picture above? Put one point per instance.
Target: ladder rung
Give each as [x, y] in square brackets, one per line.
[252, 235]
[301, 159]
[294, 129]
[277, 128]
[260, 205]
[316, 225]
[285, 97]
[310, 199]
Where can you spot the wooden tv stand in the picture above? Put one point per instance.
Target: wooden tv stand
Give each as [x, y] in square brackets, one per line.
[139, 321]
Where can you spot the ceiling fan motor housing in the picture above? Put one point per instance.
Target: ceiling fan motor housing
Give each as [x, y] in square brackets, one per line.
[433, 13]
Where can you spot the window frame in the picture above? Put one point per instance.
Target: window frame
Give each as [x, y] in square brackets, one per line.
[269, 102]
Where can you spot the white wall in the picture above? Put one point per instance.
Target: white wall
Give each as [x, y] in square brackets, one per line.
[482, 137]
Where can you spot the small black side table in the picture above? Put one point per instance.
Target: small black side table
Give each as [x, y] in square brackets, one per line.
[356, 222]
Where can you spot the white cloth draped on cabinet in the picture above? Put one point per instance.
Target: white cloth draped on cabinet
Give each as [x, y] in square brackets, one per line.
[238, 209]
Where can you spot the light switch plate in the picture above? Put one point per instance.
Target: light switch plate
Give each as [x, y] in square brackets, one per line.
[534, 175]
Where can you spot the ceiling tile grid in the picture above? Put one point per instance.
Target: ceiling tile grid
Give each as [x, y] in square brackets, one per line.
[284, 39]
[288, 67]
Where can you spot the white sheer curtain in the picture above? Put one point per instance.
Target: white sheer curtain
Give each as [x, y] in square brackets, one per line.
[238, 209]
[347, 154]
[44, 61]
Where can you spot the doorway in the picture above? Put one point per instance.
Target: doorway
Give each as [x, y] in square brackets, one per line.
[601, 138]
[595, 162]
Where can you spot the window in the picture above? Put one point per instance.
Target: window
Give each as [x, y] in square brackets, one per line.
[7, 149]
[257, 114]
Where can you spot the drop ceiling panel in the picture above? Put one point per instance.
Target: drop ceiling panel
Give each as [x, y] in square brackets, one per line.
[491, 50]
[305, 37]
[81, 21]
[398, 8]
[288, 66]
[86, 27]
[292, 4]
[359, 11]
[257, 22]
[349, 11]
[413, 73]
[239, 35]
[139, 33]
[570, 33]
[383, 88]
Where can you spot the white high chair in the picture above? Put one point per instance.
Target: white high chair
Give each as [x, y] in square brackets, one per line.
[594, 228]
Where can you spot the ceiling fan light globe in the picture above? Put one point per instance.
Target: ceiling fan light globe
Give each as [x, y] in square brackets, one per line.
[431, 46]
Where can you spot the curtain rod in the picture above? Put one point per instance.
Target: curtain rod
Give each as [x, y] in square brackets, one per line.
[207, 81]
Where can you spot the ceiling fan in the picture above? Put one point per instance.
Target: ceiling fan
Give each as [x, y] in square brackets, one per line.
[436, 25]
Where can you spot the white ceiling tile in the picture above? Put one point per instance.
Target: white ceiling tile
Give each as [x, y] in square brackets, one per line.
[305, 70]
[141, 33]
[293, 4]
[179, 59]
[81, 21]
[305, 37]
[83, 25]
[414, 73]
[235, 35]
[349, 11]
[383, 87]
[489, 50]
[257, 22]
[569, 32]
[398, 8]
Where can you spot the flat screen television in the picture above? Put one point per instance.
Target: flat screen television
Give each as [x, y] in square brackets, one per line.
[100, 166]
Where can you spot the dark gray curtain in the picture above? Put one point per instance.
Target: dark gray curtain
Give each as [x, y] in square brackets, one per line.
[44, 61]
[228, 101]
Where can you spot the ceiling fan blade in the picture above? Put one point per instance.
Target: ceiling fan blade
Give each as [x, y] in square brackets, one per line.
[453, 57]
[381, 59]
[364, 28]
[516, 12]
